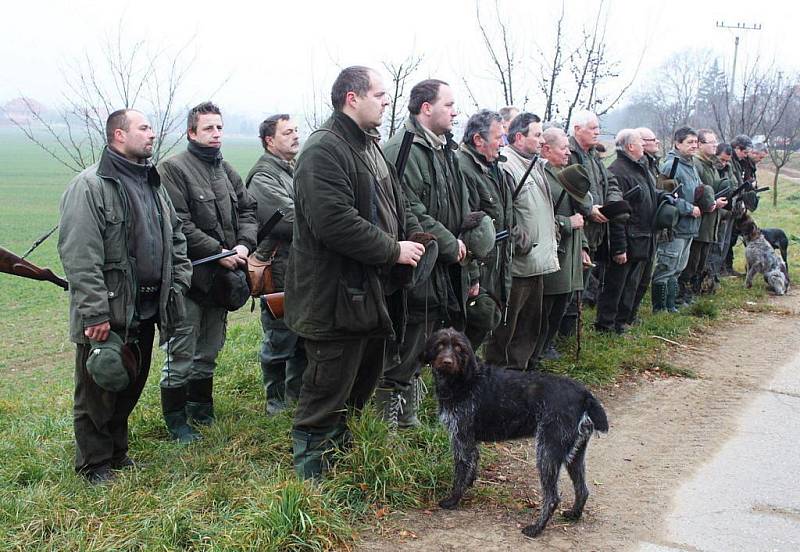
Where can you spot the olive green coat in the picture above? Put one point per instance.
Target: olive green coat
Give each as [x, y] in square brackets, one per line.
[438, 197]
[216, 209]
[93, 246]
[336, 281]
[709, 223]
[490, 191]
[604, 188]
[271, 184]
[572, 241]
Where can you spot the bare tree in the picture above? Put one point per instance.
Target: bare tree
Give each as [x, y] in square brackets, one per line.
[784, 131]
[400, 73]
[317, 109]
[120, 75]
[551, 70]
[502, 55]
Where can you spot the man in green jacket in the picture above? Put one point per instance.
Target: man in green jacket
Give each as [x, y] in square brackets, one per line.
[535, 246]
[271, 184]
[438, 198]
[704, 161]
[124, 255]
[219, 215]
[490, 191]
[573, 248]
[584, 137]
[349, 239]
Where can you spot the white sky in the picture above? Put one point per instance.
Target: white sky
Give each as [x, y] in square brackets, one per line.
[270, 49]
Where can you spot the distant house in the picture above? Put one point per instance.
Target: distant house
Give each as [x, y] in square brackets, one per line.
[19, 110]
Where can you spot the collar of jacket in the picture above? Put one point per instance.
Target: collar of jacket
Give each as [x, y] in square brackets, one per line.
[705, 159]
[673, 153]
[207, 154]
[424, 136]
[287, 166]
[578, 150]
[622, 154]
[349, 130]
[480, 160]
[106, 169]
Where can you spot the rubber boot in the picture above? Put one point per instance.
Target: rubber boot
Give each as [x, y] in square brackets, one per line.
[312, 453]
[173, 406]
[273, 375]
[410, 399]
[200, 401]
[672, 293]
[658, 293]
[387, 401]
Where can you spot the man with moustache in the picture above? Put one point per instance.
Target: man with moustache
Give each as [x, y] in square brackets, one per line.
[438, 198]
[535, 246]
[124, 255]
[271, 184]
[490, 191]
[349, 236]
[219, 215]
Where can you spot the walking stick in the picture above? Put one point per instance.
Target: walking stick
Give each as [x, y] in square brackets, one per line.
[578, 330]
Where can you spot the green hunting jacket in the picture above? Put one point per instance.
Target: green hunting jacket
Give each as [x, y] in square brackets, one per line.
[271, 184]
[490, 191]
[604, 188]
[94, 232]
[437, 195]
[709, 222]
[570, 276]
[336, 281]
[216, 209]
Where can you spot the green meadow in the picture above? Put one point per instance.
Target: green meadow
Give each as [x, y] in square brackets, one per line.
[235, 489]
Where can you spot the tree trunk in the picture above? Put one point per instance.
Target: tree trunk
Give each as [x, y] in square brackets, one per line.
[775, 186]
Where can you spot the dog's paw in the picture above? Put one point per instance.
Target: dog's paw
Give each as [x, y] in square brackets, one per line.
[449, 503]
[571, 515]
[532, 531]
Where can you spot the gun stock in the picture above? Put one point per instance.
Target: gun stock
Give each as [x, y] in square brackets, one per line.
[275, 304]
[11, 263]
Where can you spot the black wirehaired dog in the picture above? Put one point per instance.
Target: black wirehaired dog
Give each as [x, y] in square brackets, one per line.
[778, 240]
[478, 402]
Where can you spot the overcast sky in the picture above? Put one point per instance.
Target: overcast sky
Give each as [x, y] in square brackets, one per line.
[271, 50]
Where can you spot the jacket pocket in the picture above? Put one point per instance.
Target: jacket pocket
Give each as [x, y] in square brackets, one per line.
[117, 289]
[356, 309]
[639, 248]
[204, 213]
[114, 239]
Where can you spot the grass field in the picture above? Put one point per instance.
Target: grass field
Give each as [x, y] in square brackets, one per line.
[236, 488]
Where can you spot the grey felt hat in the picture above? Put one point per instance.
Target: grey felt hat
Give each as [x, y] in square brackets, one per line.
[106, 364]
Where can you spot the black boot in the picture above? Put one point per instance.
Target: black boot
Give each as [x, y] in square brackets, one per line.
[173, 406]
[672, 293]
[658, 293]
[200, 401]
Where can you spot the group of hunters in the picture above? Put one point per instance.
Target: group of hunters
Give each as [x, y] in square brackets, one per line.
[496, 236]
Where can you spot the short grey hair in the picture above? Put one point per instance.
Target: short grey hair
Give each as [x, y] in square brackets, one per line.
[626, 137]
[644, 130]
[553, 134]
[581, 119]
[508, 112]
[480, 123]
[759, 147]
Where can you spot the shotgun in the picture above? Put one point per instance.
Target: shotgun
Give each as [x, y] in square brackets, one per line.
[216, 257]
[275, 304]
[10, 263]
[402, 155]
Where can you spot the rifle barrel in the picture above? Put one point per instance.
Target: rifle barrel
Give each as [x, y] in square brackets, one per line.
[216, 257]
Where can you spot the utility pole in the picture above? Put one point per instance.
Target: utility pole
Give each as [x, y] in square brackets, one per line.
[737, 27]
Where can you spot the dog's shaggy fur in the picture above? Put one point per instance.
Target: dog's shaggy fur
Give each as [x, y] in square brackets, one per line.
[762, 259]
[478, 402]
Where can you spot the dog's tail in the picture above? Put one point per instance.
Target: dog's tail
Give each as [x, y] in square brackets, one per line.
[595, 411]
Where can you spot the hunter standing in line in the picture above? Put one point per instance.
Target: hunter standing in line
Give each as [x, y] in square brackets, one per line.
[349, 235]
[535, 246]
[632, 243]
[124, 255]
[218, 215]
[583, 142]
[437, 196]
[283, 356]
[489, 192]
[569, 201]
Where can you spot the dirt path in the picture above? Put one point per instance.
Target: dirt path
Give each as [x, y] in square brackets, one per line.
[662, 430]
